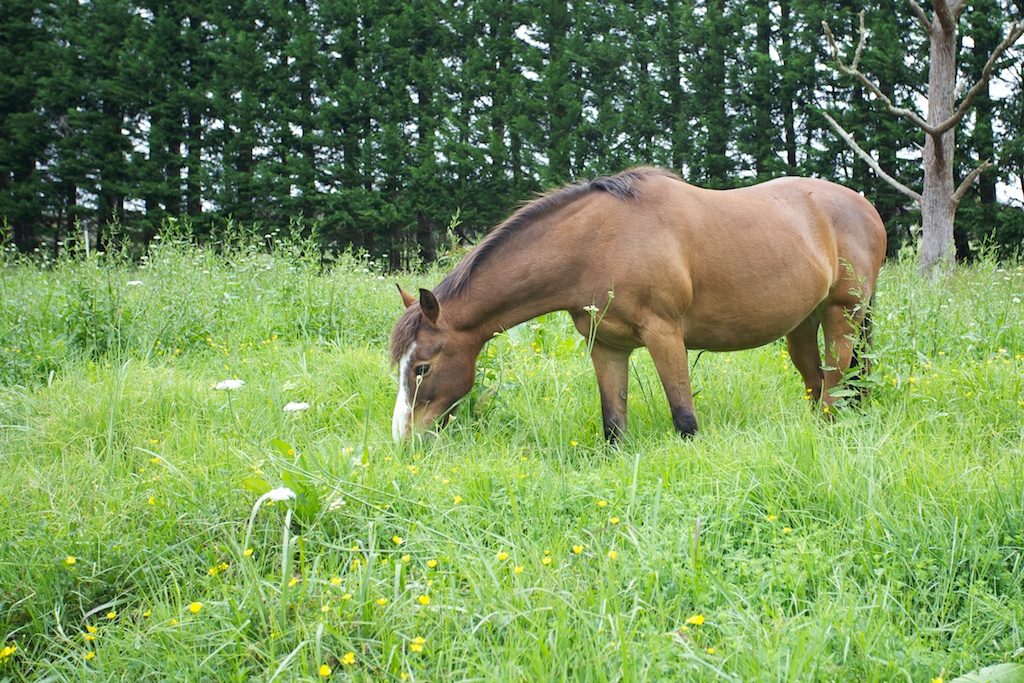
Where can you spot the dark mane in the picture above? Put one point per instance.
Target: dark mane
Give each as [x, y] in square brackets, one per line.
[621, 186]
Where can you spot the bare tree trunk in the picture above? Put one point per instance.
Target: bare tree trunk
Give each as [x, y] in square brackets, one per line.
[939, 197]
[937, 207]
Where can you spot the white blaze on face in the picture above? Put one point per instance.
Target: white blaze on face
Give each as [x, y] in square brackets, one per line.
[403, 405]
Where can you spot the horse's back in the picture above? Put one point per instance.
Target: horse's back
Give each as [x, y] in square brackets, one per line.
[745, 266]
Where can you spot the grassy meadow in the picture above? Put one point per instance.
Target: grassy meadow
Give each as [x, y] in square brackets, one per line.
[885, 545]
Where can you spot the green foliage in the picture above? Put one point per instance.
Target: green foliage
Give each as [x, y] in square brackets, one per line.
[372, 121]
[881, 546]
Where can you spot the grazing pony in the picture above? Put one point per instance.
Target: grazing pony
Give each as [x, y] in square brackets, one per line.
[671, 267]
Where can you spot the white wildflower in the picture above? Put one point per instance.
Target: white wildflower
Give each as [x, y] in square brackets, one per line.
[280, 493]
[229, 384]
[134, 283]
[295, 407]
[590, 309]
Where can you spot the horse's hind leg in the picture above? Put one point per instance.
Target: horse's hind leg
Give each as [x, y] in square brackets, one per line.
[841, 324]
[665, 342]
[611, 366]
[802, 344]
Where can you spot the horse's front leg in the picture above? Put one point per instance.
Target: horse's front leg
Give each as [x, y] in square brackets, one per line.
[612, 368]
[665, 342]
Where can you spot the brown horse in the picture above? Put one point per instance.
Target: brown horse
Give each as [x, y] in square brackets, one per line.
[671, 267]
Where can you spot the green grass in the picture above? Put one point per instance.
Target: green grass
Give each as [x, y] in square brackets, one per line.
[883, 546]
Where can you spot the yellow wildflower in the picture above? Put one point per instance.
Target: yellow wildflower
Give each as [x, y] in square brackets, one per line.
[614, 520]
[111, 614]
[502, 556]
[382, 601]
[457, 499]
[772, 518]
[546, 560]
[349, 658]
[147, 614]
[423, 600]
[325, 608]
[710, 650]
[89, 636]
[8, 651]
[417, 643]
[397, 540]
[787, 530]
[151, 500]
[248, 552]
[577, 549]
[346, 596]
[70, 560]
[335, 580]
[518, 569]
[91, 629]
[602, 503]
[293, 582]
[324, 671]
[613, 555]
[432, 564]
[195, 607]
[406, 558]
[90, 655]
[695, 620]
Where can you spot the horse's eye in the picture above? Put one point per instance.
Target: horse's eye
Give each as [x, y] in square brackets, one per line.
[422, 369]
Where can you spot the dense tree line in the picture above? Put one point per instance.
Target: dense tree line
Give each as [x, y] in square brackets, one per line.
[378, 121]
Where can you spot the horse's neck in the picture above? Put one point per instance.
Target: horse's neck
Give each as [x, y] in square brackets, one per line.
[511, 289]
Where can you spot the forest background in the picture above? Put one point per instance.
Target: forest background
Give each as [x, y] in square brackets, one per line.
[398, 127]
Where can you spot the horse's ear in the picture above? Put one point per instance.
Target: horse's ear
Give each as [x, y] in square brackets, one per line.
[407, 298]
[429, 305]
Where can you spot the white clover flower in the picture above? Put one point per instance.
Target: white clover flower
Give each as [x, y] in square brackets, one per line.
[280, 493]
[294, 407]
[229, 384]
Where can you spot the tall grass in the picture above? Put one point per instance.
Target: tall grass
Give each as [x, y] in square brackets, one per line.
[885, 545]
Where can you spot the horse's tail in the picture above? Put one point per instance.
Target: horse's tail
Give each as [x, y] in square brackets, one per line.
[860, 362]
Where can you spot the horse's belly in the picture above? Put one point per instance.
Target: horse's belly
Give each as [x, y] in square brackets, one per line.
[730, 324]
[729, 338]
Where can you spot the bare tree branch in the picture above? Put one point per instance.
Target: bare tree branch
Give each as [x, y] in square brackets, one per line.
[1016, 31]
[851, 70]
[966, 183]
[944, 15]
[848, 139]
[922, 16]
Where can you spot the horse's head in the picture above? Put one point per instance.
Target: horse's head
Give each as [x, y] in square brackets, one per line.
[435, 365]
